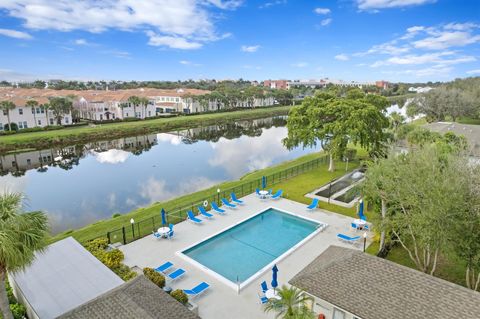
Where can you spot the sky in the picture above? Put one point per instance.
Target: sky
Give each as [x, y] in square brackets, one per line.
[361, 40]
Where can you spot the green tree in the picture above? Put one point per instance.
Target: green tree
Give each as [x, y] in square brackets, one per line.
[7, 106]
[335, 122]
[293, 304]
[60, 106]
[32, 104]
[135, 101]
[21, 234]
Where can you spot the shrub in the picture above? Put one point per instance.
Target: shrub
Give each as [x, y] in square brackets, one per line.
[116, 215]
[18, 311]
[10, 296]
[154, 276]
[96, 244]
[112, 258]
[350, 154]
[180, 296]
[124, 272]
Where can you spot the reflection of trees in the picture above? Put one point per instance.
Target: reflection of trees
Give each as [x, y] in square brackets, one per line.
[230, 130]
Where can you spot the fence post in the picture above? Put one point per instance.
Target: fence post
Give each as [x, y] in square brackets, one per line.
[123, 234]
[108, 236]
[153, 223]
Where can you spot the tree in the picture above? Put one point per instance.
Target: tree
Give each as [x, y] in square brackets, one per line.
[335, 122]
[135, 101]
[144, 102]
[46, 108]
[60, 106]
[7, 106]
[293, 304]
[21, 234]
[32, 104]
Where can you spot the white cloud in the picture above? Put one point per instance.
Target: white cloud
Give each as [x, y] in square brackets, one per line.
[250, 67]
[81, 42]
[429, 58]
[250, 48]
[447, 39]
[383, 4]
[326, 22]
[342, 57]
[181, 24]
[173, 42]
[300, 64]
[473, 71]
[434, 71]
[15, 34]
[267, 5]
[112, 156]
[322, 10]
[187, 62]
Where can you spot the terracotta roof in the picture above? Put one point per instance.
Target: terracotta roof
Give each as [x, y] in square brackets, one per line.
[137, 298]
[374, 288]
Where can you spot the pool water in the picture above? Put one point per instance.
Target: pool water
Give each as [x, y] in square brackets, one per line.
[241, 251]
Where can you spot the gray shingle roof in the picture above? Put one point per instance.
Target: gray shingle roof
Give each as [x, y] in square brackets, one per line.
[372, 287]
[137, 298]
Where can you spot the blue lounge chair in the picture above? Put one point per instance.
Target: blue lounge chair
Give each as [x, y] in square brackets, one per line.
[217, 209]
[203, 212]
[226, 203]
[263, 299]
[257, 191]
[163, 268]
[157, 235]
[348, 239]
[235, 199]
[313, 205]
[277, 195]
[170, 233]
[354, 226]
[264, 286]
[176, 274]
[197, 290]
[192, 218]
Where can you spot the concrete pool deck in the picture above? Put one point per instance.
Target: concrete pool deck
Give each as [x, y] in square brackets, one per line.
[221, 301]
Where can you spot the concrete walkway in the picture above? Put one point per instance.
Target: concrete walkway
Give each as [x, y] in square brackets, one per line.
[221, 301]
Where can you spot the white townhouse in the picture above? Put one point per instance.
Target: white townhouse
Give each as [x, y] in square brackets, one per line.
[27, 117]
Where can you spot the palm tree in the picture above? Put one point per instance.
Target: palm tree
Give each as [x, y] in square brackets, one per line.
[293, 304]
[21, 235]
[60, 106]
[135, 101]
[46, 107]
[144, 101]
[33, 104]
[7, 106]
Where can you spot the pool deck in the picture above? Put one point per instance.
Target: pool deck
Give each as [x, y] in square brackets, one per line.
[221, 301]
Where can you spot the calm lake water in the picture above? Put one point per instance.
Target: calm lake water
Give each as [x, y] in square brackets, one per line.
[81, 184]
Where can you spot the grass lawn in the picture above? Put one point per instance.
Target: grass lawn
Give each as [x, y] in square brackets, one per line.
[115, 130]
[466, 120]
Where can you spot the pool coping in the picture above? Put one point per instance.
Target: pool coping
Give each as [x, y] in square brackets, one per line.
[239, 286]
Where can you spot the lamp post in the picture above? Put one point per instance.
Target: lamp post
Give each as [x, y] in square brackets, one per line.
[133, 227]
[364, 241]
[218, 196]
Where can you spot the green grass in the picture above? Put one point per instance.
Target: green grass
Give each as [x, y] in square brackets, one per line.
[69, 136]
[466, 120]
[101, 227]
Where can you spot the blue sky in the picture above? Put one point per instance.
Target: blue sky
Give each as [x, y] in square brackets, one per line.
[365, 40]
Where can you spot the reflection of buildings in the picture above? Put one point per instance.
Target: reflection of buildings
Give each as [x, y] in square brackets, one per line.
[67, 157]
[213, 133]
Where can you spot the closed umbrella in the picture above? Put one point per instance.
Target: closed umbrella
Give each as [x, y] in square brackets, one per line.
[164, 217]
[264, 182]
[360, 209]
[274, 277]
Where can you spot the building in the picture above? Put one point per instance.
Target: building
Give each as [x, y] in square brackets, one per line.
[382, 84]
[326, 81]
[137, 298]
[276, 84]
[61, 278]
[347, 284]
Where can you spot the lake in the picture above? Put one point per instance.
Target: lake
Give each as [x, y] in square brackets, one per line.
[80, 184]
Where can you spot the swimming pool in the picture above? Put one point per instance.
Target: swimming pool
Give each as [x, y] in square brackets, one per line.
[241, 253]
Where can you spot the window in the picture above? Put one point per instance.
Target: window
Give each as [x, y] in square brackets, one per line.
[126, 114]
[25, 124]
[20, 111]
[177, 99]
[1, 127]
[20, 125]
[66, 120]
[51, 121]
[29, 162]
[101, 117]
[42, 110]
[39, 122]
[4, 112]
[113, 116]
[338, 314]
[149, 113]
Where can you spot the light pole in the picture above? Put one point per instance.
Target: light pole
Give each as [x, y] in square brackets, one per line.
[133, 227]
[218, 196]
[364, 241]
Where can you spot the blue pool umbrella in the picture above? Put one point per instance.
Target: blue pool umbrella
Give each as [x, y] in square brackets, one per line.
[164, 219]
[274, 277]
[264, 182]
[360, 209]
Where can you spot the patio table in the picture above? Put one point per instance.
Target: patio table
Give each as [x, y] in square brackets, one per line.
[263, 194]
[270, 293]
[163, 231]
[360, 223]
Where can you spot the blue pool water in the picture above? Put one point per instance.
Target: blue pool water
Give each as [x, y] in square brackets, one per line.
[251, 245]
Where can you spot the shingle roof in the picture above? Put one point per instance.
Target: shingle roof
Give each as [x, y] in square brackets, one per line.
[372, 287]
[137, 298]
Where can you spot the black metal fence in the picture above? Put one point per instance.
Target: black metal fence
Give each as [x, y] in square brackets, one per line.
[139, 229]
